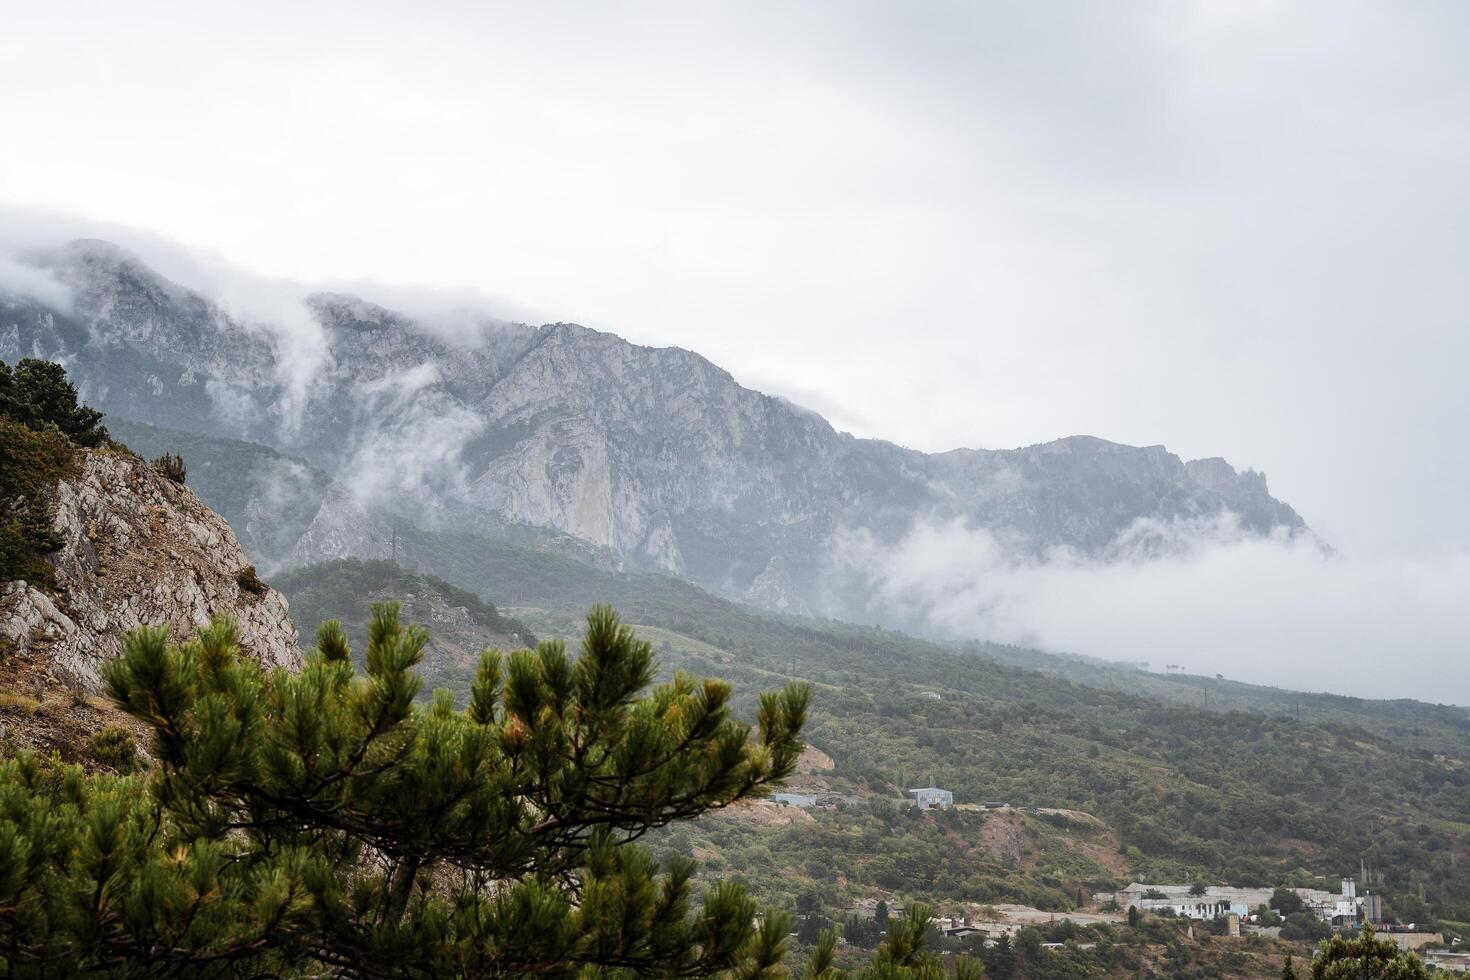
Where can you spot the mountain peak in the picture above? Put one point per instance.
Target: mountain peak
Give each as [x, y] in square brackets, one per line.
[654, 454]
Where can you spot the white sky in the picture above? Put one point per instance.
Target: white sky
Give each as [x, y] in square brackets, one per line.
[1236, 228]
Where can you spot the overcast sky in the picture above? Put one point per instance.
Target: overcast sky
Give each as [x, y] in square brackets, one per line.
[1236, 228]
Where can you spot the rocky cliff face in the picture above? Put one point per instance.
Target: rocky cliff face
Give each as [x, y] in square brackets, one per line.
[654, 456]
[138, 550]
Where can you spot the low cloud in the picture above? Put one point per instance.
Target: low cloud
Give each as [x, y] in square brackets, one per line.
[1276, 610]
[271, 307]
[412, 446]
[28, 282]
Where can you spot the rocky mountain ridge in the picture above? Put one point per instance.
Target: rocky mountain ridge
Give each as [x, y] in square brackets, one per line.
[652, 456]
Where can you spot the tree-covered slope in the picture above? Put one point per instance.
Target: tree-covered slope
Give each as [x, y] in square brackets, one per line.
[1192, 791]
[461, 625]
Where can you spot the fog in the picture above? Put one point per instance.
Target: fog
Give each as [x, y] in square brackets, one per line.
[1280, 610]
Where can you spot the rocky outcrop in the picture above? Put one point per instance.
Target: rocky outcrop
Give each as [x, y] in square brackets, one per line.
[138, 549]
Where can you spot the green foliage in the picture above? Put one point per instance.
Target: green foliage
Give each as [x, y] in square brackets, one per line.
[901, 956]
[114, 747]
[1286, 901]
[250, 582]
[38, 395]
[1246, 796]
[325, 822]
[1304, 927]
[31, 464]
[40, 424]
[864, 932]
[1222, 795]
[337, 590]
[172, 466]
[1365, 957]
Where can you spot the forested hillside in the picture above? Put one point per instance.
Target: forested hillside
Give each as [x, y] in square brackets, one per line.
[460, 624]
[1188, 791]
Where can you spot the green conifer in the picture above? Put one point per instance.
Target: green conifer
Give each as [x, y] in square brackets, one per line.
[327, 822]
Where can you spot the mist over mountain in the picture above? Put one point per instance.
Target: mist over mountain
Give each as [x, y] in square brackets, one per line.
[651, 458]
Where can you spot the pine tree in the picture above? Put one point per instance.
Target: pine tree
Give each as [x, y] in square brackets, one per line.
[901, 956]
[1365, 957]
[1288, 972]
[324, 822]
[38, 394]
[1002, 959]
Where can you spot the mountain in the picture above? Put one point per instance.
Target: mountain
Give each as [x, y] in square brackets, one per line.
[640, 457]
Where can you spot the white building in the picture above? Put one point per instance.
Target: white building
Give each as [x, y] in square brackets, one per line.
[930, 797]
[794, 799]
[1218, 900]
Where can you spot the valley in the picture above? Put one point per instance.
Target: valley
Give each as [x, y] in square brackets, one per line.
[1070, 777]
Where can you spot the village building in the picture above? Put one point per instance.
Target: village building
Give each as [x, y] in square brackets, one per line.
[794, 799]
[1217, 901]
[1446, 961]
[931, 797]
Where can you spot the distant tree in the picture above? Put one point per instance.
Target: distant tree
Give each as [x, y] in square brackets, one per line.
[1288, 971]
[809, 929]
[902, 954]
[1286, 901]
[861, 931]
[880, 914]
[809, 902]
[1304, 927]
[1001, 961]
[1198, 888]
[324, 823]
[1365, 957]
[1133, 915]
[38, 394]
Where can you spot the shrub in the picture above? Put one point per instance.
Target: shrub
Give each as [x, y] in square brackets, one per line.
[12, 703]
[114, 748]
[171, 466]
[251, 582]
